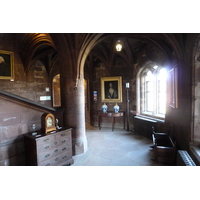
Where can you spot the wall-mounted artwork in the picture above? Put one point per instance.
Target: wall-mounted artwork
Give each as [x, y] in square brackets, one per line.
[111, 89]
[6, 64]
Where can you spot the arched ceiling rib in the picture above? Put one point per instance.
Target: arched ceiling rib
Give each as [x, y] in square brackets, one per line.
[137, 48]
[35, 46]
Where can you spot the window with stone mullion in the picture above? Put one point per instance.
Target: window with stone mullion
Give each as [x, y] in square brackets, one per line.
[153, 97]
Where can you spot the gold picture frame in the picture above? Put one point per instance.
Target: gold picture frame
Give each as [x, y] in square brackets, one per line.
[6, 64]
[114, 84]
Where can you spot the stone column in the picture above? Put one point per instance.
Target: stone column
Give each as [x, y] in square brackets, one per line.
[72, 96]
[72, 99]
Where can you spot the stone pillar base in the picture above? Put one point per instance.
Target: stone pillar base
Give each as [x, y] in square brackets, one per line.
[79, 146]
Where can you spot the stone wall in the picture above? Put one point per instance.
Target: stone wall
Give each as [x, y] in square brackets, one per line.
[101, 71]
[30, 84]
[15, 120]
[196, 95]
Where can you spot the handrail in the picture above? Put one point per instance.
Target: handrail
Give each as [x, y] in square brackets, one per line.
[24, 101]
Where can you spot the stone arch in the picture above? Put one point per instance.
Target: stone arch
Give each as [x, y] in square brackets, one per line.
[73, 50]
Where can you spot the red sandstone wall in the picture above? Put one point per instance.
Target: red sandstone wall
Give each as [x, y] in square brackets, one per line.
[15, 120]
[30, 84]
[126, 74]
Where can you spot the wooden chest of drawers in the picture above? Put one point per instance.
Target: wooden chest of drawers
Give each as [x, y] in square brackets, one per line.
[53, 149]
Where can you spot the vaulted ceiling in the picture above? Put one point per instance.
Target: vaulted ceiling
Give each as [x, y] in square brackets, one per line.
[137, 47]
[36, 46]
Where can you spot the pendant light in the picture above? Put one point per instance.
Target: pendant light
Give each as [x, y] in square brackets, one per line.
[118, 45]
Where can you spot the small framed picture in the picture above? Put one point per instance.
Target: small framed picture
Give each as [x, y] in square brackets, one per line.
[6, 64]
[111, 89]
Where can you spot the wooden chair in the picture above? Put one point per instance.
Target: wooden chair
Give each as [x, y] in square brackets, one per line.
[164, 147]
[157, 135]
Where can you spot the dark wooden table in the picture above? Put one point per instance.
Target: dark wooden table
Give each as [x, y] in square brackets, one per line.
[112, 115]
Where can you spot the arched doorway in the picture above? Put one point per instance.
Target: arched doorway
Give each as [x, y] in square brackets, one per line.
[104, 61]
[72, 61]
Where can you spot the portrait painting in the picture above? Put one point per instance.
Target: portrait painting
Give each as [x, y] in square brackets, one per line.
[6, 64]
[111, 89]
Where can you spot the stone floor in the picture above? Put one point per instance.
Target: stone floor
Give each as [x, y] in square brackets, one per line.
[117, 148]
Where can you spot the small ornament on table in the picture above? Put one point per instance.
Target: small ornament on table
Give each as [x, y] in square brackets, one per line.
[116, 108]
[58, 127]
[104, 108]
[33, 129]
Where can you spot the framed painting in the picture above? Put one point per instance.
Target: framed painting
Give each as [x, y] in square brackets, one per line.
[111, 89]
[6, 64]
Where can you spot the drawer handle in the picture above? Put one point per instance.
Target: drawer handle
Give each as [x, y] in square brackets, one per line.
[63, 141]
[55, 143]
[46, 156]
[56, 159]
[63, 134]
[56, 151]
[48, 164]
[64, 157]
[64, 148]
[46, 139]
[46, 147]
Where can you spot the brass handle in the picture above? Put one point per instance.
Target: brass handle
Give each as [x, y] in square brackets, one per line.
[56, 151]
[46, 156]
[48, 164]
[46, 147]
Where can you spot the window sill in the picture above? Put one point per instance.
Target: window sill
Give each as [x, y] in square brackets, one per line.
[197, 150]
[149, 118]
[145, 114]
[195, 153]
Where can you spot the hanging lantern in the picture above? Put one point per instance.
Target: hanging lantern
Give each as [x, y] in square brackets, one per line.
[118, 46]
